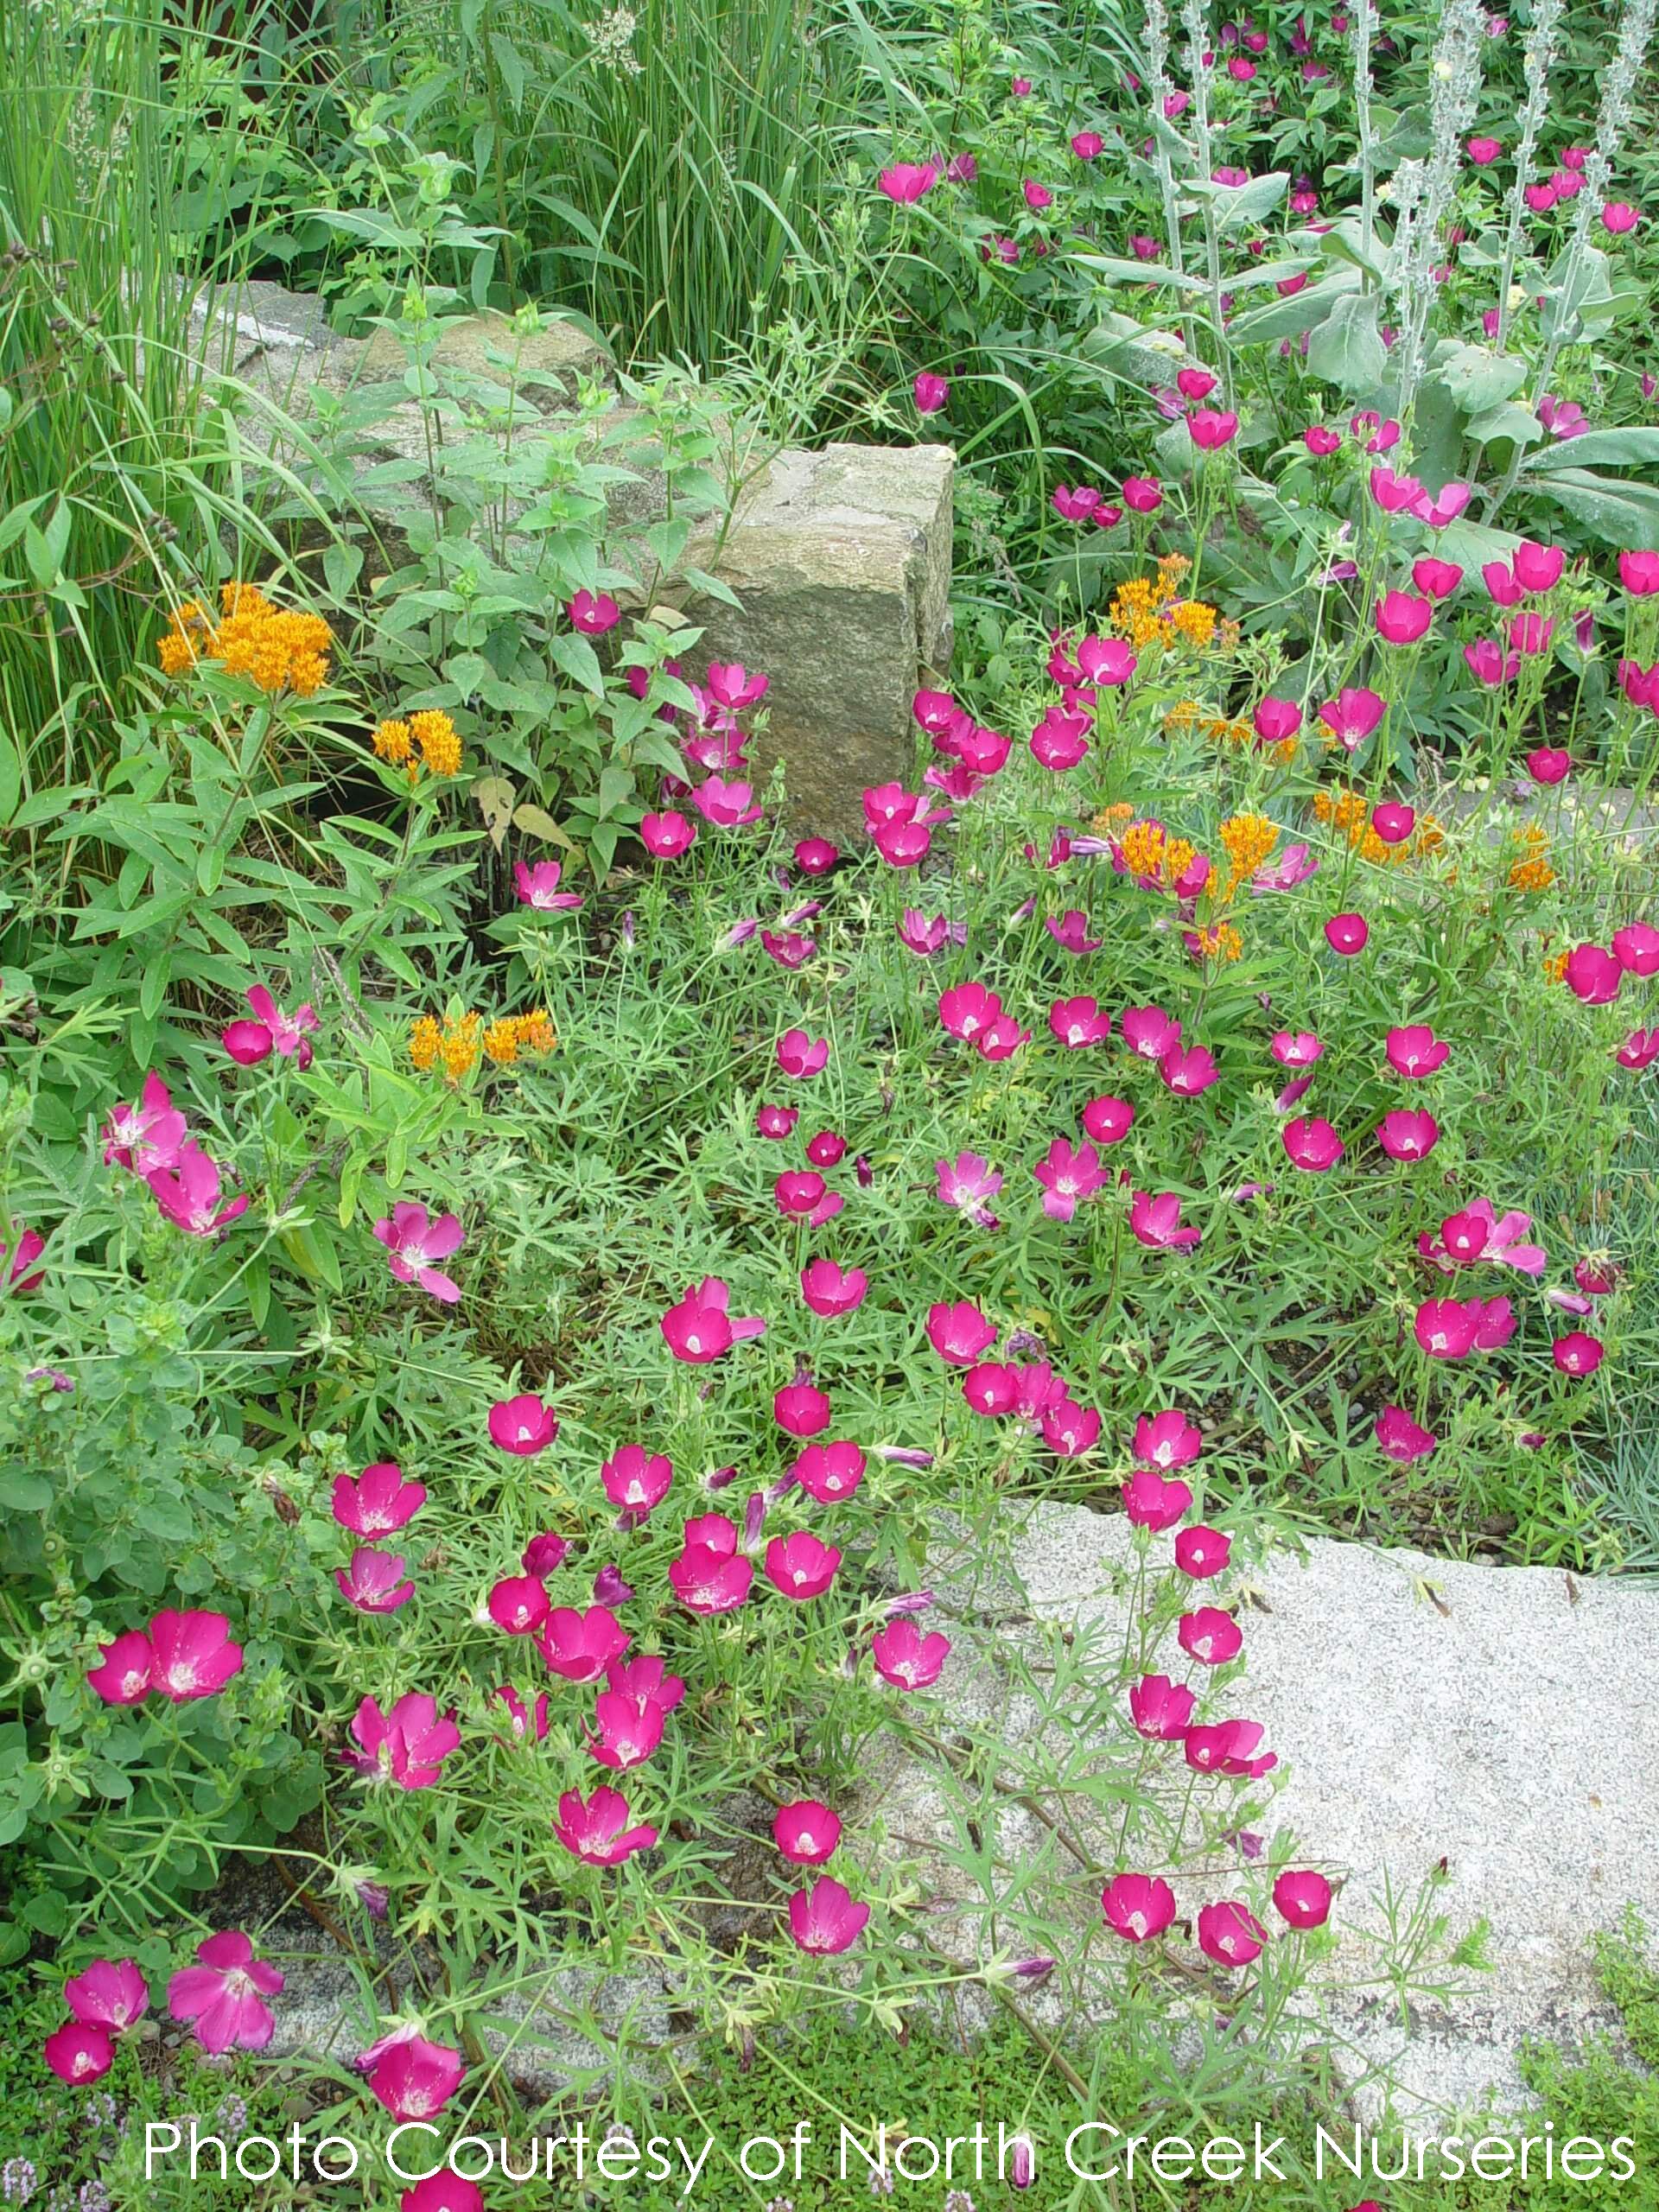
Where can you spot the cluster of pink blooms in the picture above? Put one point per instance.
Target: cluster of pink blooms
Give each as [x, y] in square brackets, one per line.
[222, 1996]
[151, 1140]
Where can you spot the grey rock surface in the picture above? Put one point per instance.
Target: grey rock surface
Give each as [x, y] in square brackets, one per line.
[1498, 1719]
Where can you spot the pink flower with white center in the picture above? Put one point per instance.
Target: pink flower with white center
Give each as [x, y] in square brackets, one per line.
[776, 1122]
[523, 1426]
[407, 1745]
[1311, 1144]
[1202, 1552]
[800, 1408]
[830, 1290]
[413, 1241]
[959, 1332]
[968, 1183]
[1477, 1233]
[924, 938]
[188, 1194]
[1069, 1175]
[1002, 1039]
[1155, 1222]
[1440, 509]
[1230, 1934]
[800, 1193]
[1188, 1070]
[593, 613]
[526, 1724]
[1107, 1119]
[538, 887]
[1579, 1353]
[789, 948]
[1148, 1032]
[806, 1832]
[1352, 715]
[1347, 934]
[636, 1481]
[907, 1659]
[1399, 1437]
[271, 1031]
[1152, 1503]
[1636, 947]
[1070, 931]
[628, 1731]
[580, 1646]
[374, 1583]
[829, 1472]
[111, 1994]
[412, 2078]
[1302, 1898]
[726, 805]
[79, 2055]
[443, 2192]
[1295, 865]
[1106, 661]
[801, 1056]
[1166, 1440]
[379, 1502]
[1408, 1134]
[1451, 1328]
[710, 1575]
[191, 1655]
[1079, 1022]
[701, 1328]
[801, 1565]
[146, 1136]
[731, 685]
[1210, 1636]
[1161, 1709]
[1593, 974]
[1415, 1050]
[644, 1681]
[823, 1919]
[595, 1829]
[122, 1674]
[1070, 1430]
[223, 1994]
[968, 1010]
[1639, 1050]
[1138, 1906]
[666, 836]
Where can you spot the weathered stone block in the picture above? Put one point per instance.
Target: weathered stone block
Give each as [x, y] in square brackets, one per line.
[842, 562]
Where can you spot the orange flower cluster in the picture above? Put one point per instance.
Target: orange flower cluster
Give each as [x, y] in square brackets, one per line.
[1220, 729]
[1555, 967]
[1248, 840]
[1150, 852]
[279, 649]
[1220, 941]
[456, 1044]
[1145, 612]
[427, 739]
[1349, 812]
[1530, 869]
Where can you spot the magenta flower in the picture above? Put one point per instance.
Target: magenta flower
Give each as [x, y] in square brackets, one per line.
[726, 805]
[930, 392]
[801, 1565]
[905, 1658]
[1060, 742]
[411, 2076]
[1593, 974]
[188, 1194]
[1438, 579]
[1302, 1898]
[968, 1010]
[1579, 1353]
[1105, 661]
[1078, 1022]
[443, 2192]
[593, 613]
[111, 1994]
[538, 887]
[1165, 1440]
[1297, 1048]
[580, 1646]
[595, 1829]
[1230, 1934]
[271, 1031]
[959, 1333]
[828, 1472]
[1070, 931]
[924, 938]
[1639, 1050]
[1086, 144]
[1548, 763]
[1148, 1032]
[1211, 427]
[636, 1481]
[147, 1136]
[122, 1674]
[906, 182]
[1636, 948]
[823, 1919]
[806, 1832]
[1399, 1437]
[1484, 151]
[407, 1745]
[799, 1191]
[526, 1725]
[1069, 1174]
[1618, 216]
[829, 1290]
[1439, 510]
[1476, 1233]
[1161, 1709]
[1154, 1504]
[1352, 715]
[1202, 1552]
[1188, 1070]
[1107, 1120]
[1069, 1430]
[968, 1183]
[1347, 934]
[523, 1426]
[666, 836]
[223, 1994]
[1210, 1636]
[1415, 1051]
[1142, 495]
[1319, 441]
[1451, 1328]
[1402, 619]
[1156, 1223]
[379, 1502]
[628, 1731]
[191, 1655]
[801, 1056]
[776, 1122]
[374, 1583]
[1408, 1134]
[79, 2055]
[800, 1408]
[700, 1328]
[1138, 1906]
[413, 1241]
[710, 1575]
